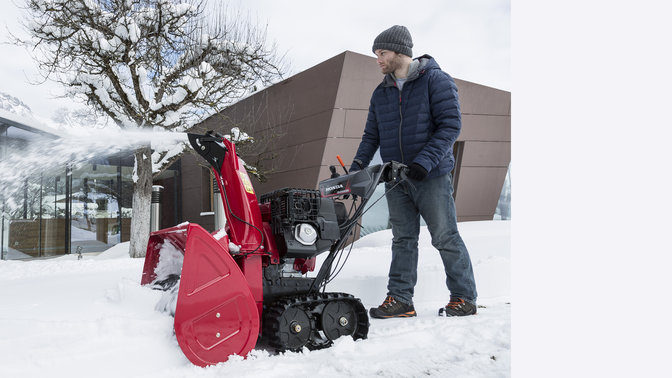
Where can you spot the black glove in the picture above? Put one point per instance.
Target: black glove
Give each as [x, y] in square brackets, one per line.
[355, 166]
[417, 172]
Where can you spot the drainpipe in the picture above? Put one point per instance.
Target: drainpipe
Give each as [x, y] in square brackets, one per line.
[155, 210]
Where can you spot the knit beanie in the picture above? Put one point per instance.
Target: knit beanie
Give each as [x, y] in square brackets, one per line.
[396, 38]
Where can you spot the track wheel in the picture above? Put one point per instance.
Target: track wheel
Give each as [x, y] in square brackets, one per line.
[338, 319]
[294, 328]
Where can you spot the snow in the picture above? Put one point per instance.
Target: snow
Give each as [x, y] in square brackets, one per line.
[77, 145]
[220, 233]
[27, 119]
[14, 105]
[170, 262]
[65, 317]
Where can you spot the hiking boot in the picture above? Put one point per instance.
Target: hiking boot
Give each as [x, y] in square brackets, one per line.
[458, 307]
[392, 308]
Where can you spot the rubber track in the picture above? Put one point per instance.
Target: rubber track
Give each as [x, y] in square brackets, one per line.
[312, 304]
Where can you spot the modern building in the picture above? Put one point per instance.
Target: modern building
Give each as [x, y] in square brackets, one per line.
[302, 123]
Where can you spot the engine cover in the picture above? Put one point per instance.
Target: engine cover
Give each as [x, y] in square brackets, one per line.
[295, 215]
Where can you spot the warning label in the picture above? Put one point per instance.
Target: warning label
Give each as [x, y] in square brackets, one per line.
[246, 182]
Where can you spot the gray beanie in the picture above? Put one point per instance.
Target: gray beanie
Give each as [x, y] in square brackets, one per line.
[396, 38]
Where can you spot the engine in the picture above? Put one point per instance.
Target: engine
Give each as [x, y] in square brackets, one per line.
[303, 223]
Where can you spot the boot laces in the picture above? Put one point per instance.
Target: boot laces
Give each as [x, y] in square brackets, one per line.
[389, 301]
[455, 303]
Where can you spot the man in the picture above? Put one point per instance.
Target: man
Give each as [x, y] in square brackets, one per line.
[414, 118]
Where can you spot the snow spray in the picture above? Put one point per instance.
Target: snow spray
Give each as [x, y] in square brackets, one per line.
[25, 163]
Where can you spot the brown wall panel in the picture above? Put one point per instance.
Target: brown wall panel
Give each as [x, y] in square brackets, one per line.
[486, 154]
[478, 191]
[301, 131]
[361, 75]
[300, 178]
[337, 124]
[347, 123]
[299, 156]
[346, 148]
[355, 122]
[254, 114]
[305, 94]
[479, 99]
[485, 128]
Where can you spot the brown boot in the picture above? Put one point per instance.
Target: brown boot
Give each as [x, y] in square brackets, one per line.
[391, 308]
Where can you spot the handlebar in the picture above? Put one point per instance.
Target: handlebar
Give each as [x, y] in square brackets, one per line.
[393, 172]
[363, 183]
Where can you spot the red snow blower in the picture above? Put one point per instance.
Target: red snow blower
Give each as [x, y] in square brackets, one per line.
[228, 291]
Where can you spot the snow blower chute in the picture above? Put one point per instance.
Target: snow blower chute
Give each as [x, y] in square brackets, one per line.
[230, 291]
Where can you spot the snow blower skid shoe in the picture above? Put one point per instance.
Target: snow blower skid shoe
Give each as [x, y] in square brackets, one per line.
[215, 313]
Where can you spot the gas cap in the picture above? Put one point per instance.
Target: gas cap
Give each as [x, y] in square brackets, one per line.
[305, 234]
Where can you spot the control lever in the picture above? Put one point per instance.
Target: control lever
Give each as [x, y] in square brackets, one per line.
[334, 174]
[395, 171]
[342, 164]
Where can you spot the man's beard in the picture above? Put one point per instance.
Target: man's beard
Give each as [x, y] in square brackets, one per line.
[392, 66]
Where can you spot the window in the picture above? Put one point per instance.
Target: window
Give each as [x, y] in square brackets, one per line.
[85, 209]
[458, 152]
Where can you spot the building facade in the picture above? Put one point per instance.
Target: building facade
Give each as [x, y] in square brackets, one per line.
[299, 127]
[302, 123]
[70, 209]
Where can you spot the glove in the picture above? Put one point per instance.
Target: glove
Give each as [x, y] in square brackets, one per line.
[355, 166]
[417, 172]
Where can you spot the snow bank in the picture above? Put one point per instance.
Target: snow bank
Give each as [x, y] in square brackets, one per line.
[90, 317]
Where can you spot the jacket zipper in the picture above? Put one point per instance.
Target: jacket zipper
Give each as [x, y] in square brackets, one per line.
[401, 122]
[401, 117]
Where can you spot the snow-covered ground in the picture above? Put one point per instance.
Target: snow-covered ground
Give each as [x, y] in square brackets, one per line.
[83, 318]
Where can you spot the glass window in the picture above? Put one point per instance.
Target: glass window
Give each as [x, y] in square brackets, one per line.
[97, 206]
[23, 220]
[83, 209]
[503, 211]
[53, 216]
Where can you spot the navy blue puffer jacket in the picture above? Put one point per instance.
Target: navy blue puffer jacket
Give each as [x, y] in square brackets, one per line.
[418, 124]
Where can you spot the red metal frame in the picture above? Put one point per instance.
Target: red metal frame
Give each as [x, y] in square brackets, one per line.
[243, 220]
[243, 217]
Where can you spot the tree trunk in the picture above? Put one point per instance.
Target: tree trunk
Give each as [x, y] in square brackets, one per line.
[142, 195]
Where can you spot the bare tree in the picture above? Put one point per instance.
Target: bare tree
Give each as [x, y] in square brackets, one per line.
[146, 64]
[256, 127]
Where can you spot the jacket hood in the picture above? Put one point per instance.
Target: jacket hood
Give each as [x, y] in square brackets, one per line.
[425, 63]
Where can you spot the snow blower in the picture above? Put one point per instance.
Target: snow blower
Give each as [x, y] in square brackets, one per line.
[230, 290]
